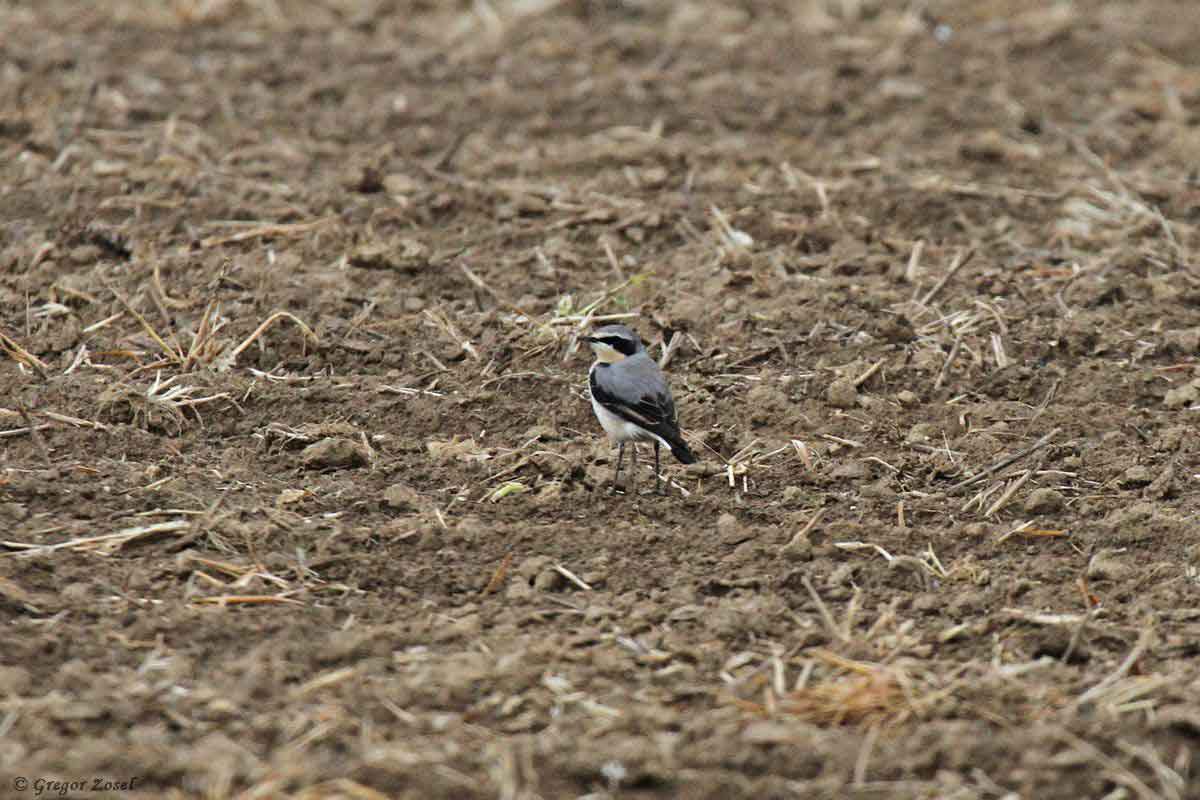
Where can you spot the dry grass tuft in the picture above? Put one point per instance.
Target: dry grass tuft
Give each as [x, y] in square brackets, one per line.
[869, 695]
[157, 404]
[103, 544]
[205, 349]
[22, 356]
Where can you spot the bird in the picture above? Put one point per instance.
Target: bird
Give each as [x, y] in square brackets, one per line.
[632, 399]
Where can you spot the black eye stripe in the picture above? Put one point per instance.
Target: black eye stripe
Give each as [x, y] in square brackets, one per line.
[621, 345]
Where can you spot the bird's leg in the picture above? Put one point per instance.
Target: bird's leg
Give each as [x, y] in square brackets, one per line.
[633, 468]
[657, 488]
[617, 474]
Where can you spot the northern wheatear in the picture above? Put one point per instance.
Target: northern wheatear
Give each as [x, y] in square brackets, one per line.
[631, 398]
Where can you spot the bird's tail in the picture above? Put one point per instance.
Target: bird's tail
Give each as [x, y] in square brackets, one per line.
[680, 450]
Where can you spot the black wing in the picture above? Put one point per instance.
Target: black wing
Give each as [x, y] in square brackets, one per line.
[654, 411]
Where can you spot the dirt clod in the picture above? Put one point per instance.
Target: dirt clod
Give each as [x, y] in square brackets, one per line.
[1137, 475]
[400, 497]
[1181, 396]
[14, 681]
[1108, 564]
[334, 454]
[842, 393]
[1044, 501]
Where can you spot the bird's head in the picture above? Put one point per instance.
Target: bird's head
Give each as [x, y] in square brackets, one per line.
[612, 343]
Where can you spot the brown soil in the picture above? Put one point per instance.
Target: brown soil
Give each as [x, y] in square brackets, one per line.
[897, 248]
